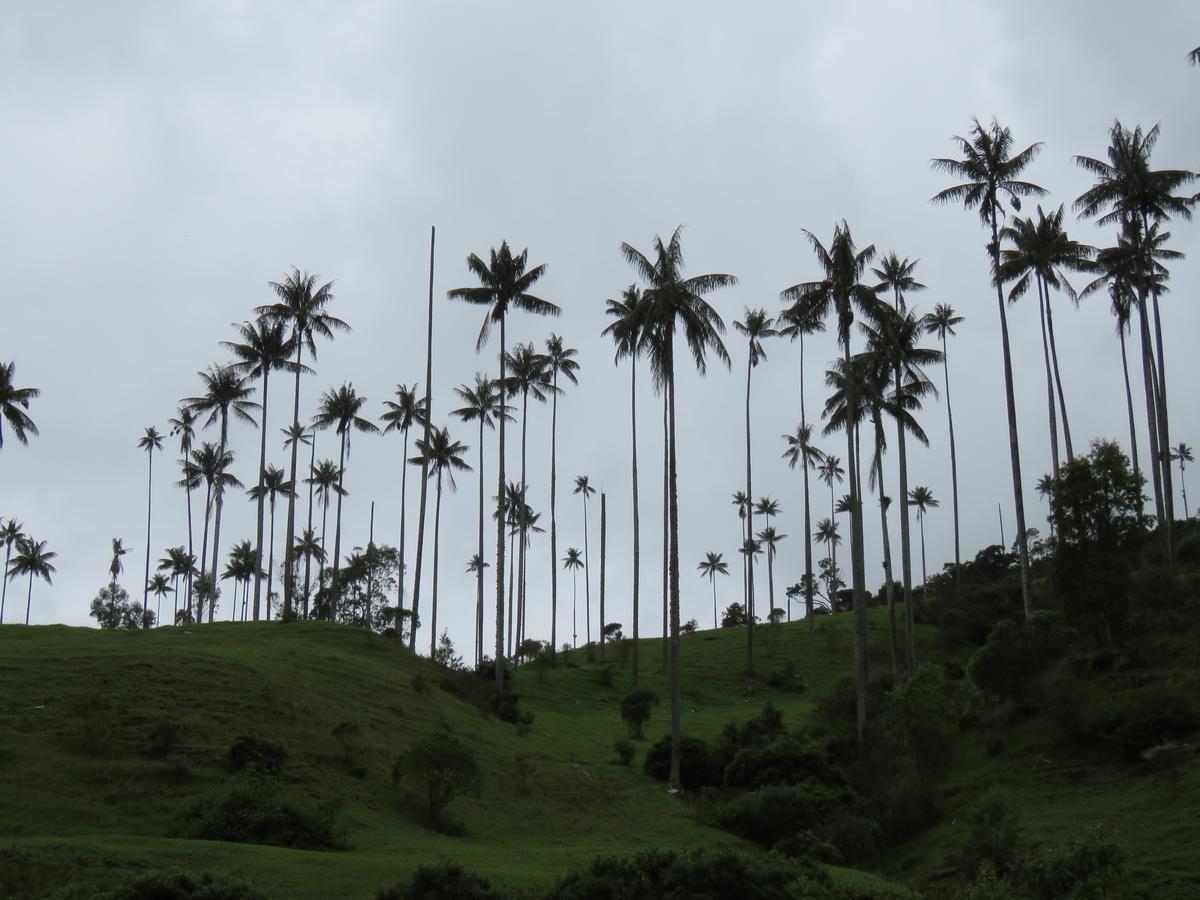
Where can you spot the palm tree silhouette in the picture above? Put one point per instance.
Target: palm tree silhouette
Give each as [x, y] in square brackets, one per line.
[987, 170]
[770, 538]
[302, 304]
[339, 409]
[13, 403]
[150, 441]
[757, 327]
[440, 455]
[941, 322]
[742, 502]
[503, 281]
[309, 546]
[160, 587]
[676, 303]
[274, 484]
[306, 437]
[326, 478]
[582, 487]
[401, 414]
[560, 360]
[827, 533]
[1183, 454]
[483, 403]
[514, 515]
[710, 567]
[115, 568]
[178, 564]
[840, 291]
[225, 391]
[10, 533]
[263, 345]
[922, 498]
[183, 426]
[32, 559]
[573, 563]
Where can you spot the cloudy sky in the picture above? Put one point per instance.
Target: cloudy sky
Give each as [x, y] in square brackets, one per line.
[163, 162]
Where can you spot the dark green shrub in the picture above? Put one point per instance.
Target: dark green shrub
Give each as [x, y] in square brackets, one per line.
[625, 751]
[784, 760]
[440, 767]
[604, 676]
[771, 814]
[442, 881]
[734, 616]
[696, 769]
[254, 808]
[1016, 653]
[256, 754]
[762, 728]
[635, 710]
[1092, 867]
[989, 835]
[786, 678]
[1153, 715]
[164, 886]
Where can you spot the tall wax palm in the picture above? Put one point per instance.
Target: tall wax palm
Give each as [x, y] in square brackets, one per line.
[441, 456]
[676, 303]
[626, 331]
[528, 526]
[150, 441]
[239, 569]
[586, 490]
[1182, 455]
[796, 322]
[756, 328]
[1127, 191]
[827, 533]
[183, 426]
[504, 281]
[573, 563]
[922, 498]
[339, 409]
[839, 292]
[769, 537]
[308, 546]
[305, 437]
[742, 501]
[160, 587]
[14, 402]
[204, 466]
[710, 567]
[262, 346]
[530, 375]
[179, 565]
[302, 303]
[988, 171]
[941, 322]
[115, 568]
[34, 560]
[325, 477]
[560, 360]
[514, 506]
[10, 533]
[225, 392]
[483, 403]
[274, 484]
[401, 414]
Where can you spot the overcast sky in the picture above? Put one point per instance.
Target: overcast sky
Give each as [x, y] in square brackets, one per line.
[163, 162]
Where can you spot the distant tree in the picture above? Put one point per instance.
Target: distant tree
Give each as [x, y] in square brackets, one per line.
[445, 654]
[1183, 454]
[586, 490]
[922, 498]
[111, 609]
[560, 360]
[272, 484]
[13, 403]
[710, 567]
[573, 562]
[160, 587]
[441, 767]
[941, 322]
[635, 710]
[10, 533]
[734, 616]
[401, 414]
[34, 560]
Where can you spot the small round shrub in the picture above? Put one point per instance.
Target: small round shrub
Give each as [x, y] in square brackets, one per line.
[696, 768]
[252, 808]
[635, 710]
[625, 751]
[257, 755]
[442, 881]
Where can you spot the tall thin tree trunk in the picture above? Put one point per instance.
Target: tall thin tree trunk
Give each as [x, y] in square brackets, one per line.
[262, 476]
[857, 571]
[403, 521]
[149, 507]
[203, 553]
[1149, 379]
[29, 600]
[479, 572]
[749, 531]
[637, 538]
[500, 523]
[1062, 401]
[522, 523]
[220, 502]
[1133, 450]
[4, 589]
[808, 567]
[288, 557]
[889, 579]
[1014, 448]
[512, 578]
[270, 566]
[324, 554]
[553, 519]
[335, 594]
[1049, 380]
[666, 558]
[574, 610]
[603, 552]
[1164, 437]
[924, 571]
[673, 502]
[312, 464]
[587, 575]
[412, 640]
[713, 580]
[1183, 487]
[953, 462]
[437, 524]
[191, 548]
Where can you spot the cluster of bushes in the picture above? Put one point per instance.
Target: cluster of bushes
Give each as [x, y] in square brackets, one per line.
[478, 687]
[162, 886]
[254, 807]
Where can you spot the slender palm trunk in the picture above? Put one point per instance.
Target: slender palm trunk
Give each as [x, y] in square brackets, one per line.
[1014, 448]
[512, 573]
[713, 579]
[553, 521]
[335, 594]
[291, 515]
[522, 522]
[673, 494]
[149, 506]
[220, 502]
[1133, 450]
[479, 571]
[1183, 487]
[1062, 402]
[412, 638]
[808, 555]
[437, 525]
[749, 531]
[1164, 437]
[4, 578]
[1054, 460]
[270, 566]
[29, 599]
[262, 477]
[666, 557]
[312, 464]
[924, 572]
[1149, 379]
[574, 609]
[191, 549]
[906, 543]
[953, 461]
[500, 523]
[204, 551]
[587, 576]
[324, 555]
[857, 571]
[637, 538]
[603, 553]
[888, 577]
[771, 586]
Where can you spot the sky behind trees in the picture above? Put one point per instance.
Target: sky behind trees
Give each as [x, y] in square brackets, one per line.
[164, 162]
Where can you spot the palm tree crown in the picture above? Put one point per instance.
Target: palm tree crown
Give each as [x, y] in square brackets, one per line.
[13, 403]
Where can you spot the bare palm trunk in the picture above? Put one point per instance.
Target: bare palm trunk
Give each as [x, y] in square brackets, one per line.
[1164, 438]
[603, 552]
[1049, 380]
[4, 578]
[312, 464]
[637, 538]
[857, 571]
[437, 525]
[1149, 379]
[220, 502]
[412, 638]
[1014, 448]
[149, 506]
[1062, 401]
[906, 543]
[29, 600]
[191, 548]
[203, 552]
[291, 514]
[587, 576]
[1183, 487]
[262, 476]
[1133, 450]
[953, 461]
[403, 522]
[673, 494]
[522, 522]
[335, 594]
[713, 580]
[500, 523]
[574, 610]
[324, 554]
[924, 572]
[270, 567]
[479, 572]
[666, 558]
[553, 520]
[749, 533]
[512, 573]
[889, 580]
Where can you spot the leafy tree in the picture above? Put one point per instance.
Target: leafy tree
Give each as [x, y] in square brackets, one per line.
[111, 609]
[441, 767]
[734, 616]
[13, 403]
[635, 710]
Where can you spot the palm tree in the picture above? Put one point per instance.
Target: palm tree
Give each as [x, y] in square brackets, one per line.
[160, 587]
[308, 545]
[13, 403]
[115, 568]
[150, 441]
[209, 465]
[1183, 454]
[626, 332]
[301, 303]
[10, 533]
[439, 455]
[514, 515]
[32, 559]
[756, 327]
[401, 414]
[987, 170]
[178, 563]
[530, 375]
[560, 360]
[339, 409]
[839, 292]
[801, 452]
[941, 322]
[742, 502]
[922, 498]
[827, 533]
[264, 345]
[325, 477]
[305, 437]
[673, 303]
[573, 563]
[273, 485]
[710, 567]
[183, 426]
[239, 569]
[1194, 57]
[225, 391]
[1129, 192]
[770, 538]
[503, 281]
[483, 403]
[582, 487]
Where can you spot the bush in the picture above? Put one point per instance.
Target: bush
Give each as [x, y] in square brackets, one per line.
[1079, 870]
[442, 881]
[759, 729]
[771, 814]
[786, 678]
[479, 689]
[635, 710]
[1017, 652]
[253, 808]
[441, 767]
[257, 755]
[696, 769]
[164, 886]
[734, 616]
[990, 836]
[625, 751]
[785, 760]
